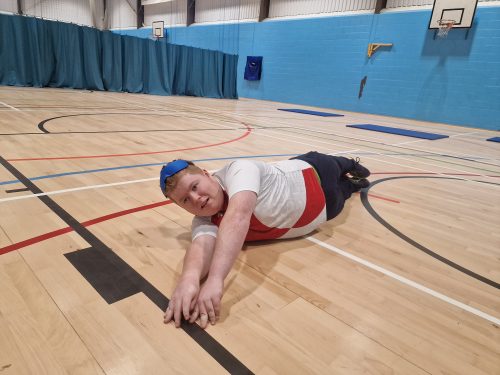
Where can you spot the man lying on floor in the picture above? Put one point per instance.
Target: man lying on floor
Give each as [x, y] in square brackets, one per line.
[248, 200]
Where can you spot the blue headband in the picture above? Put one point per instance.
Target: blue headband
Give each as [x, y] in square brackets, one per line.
[169, 169]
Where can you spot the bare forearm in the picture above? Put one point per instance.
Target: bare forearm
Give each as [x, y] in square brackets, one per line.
[198, 258]
[230, 238]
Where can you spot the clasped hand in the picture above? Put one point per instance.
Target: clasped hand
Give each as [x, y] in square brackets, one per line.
[191, 301]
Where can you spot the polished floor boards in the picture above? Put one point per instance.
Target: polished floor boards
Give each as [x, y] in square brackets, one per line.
[404, 281]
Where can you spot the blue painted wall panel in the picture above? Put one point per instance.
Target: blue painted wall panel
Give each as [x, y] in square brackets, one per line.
[320, 62]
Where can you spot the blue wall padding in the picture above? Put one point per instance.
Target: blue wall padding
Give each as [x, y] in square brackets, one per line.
[39, 53]
[320, 62]
[494, 139]
[405, 132]
[314, 113]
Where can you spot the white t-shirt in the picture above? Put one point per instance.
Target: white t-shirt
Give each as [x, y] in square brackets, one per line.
[290, 200]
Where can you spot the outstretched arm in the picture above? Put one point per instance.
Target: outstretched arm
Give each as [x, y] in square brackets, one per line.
[230, 237]
[196, 264]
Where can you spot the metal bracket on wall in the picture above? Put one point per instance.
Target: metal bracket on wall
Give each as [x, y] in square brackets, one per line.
[372, 47]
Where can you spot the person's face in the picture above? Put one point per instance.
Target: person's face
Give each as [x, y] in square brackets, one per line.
[199, 194]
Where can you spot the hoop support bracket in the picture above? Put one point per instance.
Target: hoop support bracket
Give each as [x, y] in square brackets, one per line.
[372, 47]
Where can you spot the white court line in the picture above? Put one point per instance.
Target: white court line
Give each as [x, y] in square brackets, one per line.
[14, 108]
[431, 153]
[88, 187]
[28, 196]
[461, 134]
[407, 142]
[330, 143]
[406, 281]
[393, 157]
[372, 141]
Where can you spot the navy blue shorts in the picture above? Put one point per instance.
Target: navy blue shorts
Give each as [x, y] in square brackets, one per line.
[334, 182]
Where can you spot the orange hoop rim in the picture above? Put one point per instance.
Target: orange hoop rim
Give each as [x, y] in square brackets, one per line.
[446, 24]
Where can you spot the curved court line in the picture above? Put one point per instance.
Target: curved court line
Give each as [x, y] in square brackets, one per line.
[58, 232]
[130, 131]
[376, 216]
[246, 134]
[41, 124]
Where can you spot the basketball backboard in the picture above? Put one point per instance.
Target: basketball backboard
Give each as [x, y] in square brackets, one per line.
[157, 29]
[461, 12]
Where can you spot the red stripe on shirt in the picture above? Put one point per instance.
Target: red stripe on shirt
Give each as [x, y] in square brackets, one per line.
[315, 198]
[315, 203]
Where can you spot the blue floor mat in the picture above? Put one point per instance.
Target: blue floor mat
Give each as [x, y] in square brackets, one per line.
[405, 132]
[314, 113]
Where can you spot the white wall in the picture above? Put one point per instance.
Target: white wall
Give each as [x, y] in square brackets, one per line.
[76, 11]
[121, 14]
[207, 11]
[409, 3]
[286, 8]
[172, 13]
[8, 6]
[223, 10]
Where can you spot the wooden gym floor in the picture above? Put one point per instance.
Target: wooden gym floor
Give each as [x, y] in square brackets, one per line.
[404, 281]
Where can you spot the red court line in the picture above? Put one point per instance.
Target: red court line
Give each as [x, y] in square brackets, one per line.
[246, 134]
[383, 198]
[31, 241]
[58, 232]
[46, 236]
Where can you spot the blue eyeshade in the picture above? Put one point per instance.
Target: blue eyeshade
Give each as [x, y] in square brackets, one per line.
[169, 169]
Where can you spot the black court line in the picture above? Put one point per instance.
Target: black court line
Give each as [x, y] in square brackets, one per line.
[376, 216]
[115, 279]
[17, 190]
[30, 108]
[41, 125]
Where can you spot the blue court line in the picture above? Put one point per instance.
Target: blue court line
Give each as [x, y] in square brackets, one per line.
[196, 161]
[136, 166]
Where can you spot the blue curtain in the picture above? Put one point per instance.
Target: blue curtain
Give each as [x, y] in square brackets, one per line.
[132, 53]
[112, 66]
[35, 52]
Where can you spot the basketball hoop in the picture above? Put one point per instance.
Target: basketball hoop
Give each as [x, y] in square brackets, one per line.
[444, 27]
